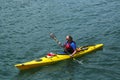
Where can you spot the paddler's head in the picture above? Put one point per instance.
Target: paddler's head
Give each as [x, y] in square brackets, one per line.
[69, 38]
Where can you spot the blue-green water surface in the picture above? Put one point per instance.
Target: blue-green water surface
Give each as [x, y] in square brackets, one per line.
[24, 36]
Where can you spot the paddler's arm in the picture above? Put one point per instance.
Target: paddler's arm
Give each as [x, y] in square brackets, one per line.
[71, 55]
[74, 48]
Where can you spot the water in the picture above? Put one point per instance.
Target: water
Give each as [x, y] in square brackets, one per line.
[24, 36]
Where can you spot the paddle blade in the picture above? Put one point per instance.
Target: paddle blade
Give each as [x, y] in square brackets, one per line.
[80, 62]
[57, 41]
[52, 35]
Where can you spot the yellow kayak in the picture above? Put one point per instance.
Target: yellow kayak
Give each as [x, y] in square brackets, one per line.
[55, 58]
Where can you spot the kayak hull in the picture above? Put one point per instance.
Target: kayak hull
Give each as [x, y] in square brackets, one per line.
[56, 58]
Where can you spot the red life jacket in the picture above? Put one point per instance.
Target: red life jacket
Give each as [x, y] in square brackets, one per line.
[68, 47]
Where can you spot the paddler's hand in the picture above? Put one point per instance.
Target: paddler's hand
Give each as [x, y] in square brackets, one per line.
[71, 55]
[59, 43]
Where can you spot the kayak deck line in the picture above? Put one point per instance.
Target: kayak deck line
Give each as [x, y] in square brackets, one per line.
[38, 59]
[56, 58]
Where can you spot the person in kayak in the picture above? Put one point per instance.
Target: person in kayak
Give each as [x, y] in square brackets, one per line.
[69, 46]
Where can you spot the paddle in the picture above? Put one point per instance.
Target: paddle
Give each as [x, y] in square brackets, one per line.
[57, 41]
[60, 44]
